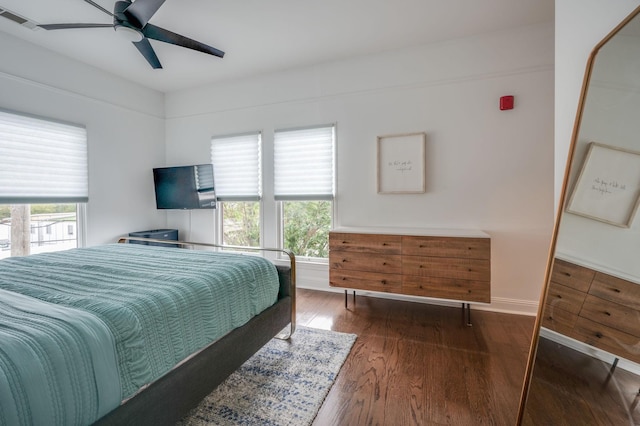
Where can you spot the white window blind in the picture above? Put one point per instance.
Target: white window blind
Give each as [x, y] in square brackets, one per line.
[236, 167]
[303, 163]
[42, 161]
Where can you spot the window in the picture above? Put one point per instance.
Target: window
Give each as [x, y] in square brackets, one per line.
[50, 227]
[43, 177]
[236, 166]
[304, 188]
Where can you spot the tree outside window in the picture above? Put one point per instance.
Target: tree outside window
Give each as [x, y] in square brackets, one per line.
[306, 227]
[240, 223]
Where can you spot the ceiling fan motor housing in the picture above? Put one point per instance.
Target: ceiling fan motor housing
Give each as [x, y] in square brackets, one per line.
[119, 17]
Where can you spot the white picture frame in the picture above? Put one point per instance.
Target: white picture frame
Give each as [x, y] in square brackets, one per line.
[401, 164]
[608, 186]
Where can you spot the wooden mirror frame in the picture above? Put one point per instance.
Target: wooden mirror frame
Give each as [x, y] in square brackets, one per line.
[561, 208]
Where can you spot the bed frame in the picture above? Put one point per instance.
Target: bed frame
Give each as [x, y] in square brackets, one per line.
[168, 399]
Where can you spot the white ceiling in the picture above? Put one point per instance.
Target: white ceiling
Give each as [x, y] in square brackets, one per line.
[262, 36]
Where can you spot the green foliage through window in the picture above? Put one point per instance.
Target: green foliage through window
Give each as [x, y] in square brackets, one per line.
[306, 228]
[241, 223]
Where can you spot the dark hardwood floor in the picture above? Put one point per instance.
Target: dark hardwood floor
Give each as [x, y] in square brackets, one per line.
[419, 364]
[571, 388]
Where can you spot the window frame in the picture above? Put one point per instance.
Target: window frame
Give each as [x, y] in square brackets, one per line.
[280, 200]
[219, 211]
[40, 147]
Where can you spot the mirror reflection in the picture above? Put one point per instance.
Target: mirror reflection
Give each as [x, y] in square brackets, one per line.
[587, 365]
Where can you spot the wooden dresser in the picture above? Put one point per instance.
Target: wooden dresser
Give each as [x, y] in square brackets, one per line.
[443, 264]
[594, 308]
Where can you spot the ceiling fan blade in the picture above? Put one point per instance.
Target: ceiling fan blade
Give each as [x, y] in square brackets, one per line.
[160, 34]
[94, 4]
[73, 26]
[140, 11]
[147, 51]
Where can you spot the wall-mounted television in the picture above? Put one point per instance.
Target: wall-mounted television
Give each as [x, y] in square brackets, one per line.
[185, 187]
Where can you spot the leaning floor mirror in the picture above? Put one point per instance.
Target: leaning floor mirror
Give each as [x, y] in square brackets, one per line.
[584, 365]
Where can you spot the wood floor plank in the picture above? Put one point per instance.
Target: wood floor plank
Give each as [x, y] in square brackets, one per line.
[419, 364]
[571, 388]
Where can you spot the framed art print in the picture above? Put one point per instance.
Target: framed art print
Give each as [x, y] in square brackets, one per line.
[608, 185]
[401, 164]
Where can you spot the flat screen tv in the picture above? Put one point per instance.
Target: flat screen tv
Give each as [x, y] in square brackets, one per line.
[185, 187]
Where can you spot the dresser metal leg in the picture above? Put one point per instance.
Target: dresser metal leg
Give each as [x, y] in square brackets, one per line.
[346, 299]
[634, 404]
[466, 313]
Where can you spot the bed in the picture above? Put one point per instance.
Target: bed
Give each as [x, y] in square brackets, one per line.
[132, 333]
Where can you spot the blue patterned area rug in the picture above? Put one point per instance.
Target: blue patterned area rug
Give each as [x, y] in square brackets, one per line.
[284, 383]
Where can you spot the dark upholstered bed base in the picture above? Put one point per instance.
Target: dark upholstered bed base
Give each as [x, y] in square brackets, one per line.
[169, 398]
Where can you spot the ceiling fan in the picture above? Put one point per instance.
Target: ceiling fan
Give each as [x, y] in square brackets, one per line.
[132, 19]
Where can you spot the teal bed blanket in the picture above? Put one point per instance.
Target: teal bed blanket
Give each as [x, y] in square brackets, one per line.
[125, 313]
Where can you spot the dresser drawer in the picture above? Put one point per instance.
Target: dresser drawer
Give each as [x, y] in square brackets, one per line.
[571, 275]
[564, 297]
[444, 267]
[447, 288]
[559, 320]
[357, 261]
[365, 243]
[606, 338]
[466, 248]
[365, 280]
[612, 315]
[616, 290]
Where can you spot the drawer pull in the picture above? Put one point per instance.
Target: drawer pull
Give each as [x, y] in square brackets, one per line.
[599, 335]
[567, 274]
[344, 278]
[616, 290]
[384, 244]
[383, 282]
[384, 263]
[344, 260]
[607, 313]
[559, 296]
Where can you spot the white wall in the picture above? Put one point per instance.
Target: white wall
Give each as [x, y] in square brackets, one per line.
[487, 169]
[125, 126]
[580, 25]
[610, 117]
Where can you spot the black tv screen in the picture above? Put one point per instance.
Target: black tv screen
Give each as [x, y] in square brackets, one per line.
[185, 187]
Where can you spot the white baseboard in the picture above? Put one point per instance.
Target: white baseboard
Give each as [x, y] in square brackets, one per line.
[507, 306]
[511, 306]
